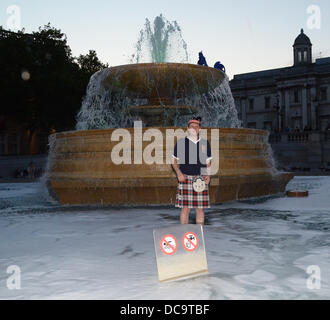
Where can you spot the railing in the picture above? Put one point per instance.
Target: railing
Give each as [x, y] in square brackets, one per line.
[298, 137]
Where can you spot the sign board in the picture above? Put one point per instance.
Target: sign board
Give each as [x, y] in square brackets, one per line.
[180, 251]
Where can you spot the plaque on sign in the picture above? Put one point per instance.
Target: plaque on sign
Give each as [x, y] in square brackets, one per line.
[180, 252]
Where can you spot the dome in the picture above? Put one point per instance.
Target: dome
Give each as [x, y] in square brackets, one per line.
[302, 39]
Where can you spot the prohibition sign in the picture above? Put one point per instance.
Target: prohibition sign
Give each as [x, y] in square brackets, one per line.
[190, 241]
[168, 244]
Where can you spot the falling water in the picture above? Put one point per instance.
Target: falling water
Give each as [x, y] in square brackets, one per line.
[162, 43]
[216, 108]
[104, 108]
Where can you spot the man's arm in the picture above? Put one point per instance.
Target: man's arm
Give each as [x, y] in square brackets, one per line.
[208, 167]
[207, 178]
[177, 170]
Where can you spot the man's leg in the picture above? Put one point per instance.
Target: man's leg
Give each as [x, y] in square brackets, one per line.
[184, 217]
[200, 216]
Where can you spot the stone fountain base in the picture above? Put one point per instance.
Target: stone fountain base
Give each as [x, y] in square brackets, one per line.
[81, 170]
[163, 191]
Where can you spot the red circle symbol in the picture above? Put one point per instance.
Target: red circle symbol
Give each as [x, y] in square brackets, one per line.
[168, 244]
[190, 241]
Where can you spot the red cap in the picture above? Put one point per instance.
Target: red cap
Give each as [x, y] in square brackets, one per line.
[194, 121]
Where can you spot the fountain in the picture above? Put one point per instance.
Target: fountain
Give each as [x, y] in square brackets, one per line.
[163, 95]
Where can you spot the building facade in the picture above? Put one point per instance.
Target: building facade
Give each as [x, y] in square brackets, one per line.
[286, 99]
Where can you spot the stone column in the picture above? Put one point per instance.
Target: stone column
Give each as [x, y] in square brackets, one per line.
[313, 108]
[243, 105]
[304, 108]
[280, 124]
[287, 108]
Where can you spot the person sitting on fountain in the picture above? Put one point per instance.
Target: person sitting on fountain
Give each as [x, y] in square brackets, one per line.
[220, 66]
[192, 164]
[202, 60]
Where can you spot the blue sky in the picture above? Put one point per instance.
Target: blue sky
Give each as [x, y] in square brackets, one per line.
[245, 36]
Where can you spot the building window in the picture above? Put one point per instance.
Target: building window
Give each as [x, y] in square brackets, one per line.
[251, 104]
[324, 94]
[299, 56]
[252, 125]
[296, 96]
[324, 122]
[305, 55]
[267, 102]
[296, 123]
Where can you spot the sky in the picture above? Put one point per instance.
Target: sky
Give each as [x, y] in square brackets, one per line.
[246, 36]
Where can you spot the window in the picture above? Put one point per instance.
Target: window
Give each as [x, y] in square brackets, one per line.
[305, 55]
[324, 94]
[296, 96]
[296, 123]
[252, 125]
[267, 102]
[251, 104]
[299, 56]
[324, 122]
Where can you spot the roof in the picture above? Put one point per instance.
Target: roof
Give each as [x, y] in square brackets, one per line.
[321, 66]
[302, 39]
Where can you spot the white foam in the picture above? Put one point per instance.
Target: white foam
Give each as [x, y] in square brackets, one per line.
[254, 251]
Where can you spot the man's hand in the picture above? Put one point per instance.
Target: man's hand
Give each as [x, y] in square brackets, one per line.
[181, 177]
[207, 179]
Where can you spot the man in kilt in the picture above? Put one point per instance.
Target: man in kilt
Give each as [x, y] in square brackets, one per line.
[192, 159]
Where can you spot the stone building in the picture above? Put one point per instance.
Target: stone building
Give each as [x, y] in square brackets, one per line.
[295, 97]
[293, 104]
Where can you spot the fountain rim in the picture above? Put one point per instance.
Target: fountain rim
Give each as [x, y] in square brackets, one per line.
[179, 64]
[152, 70]
[74, 133]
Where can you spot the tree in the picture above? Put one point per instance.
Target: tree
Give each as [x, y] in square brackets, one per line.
[42, 84]
[90, 63]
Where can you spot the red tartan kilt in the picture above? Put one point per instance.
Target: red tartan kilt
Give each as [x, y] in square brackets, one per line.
[186, 197]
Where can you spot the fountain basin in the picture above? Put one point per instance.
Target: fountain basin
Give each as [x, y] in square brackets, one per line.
[160, 115]
[81, 171]
[162, 82]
